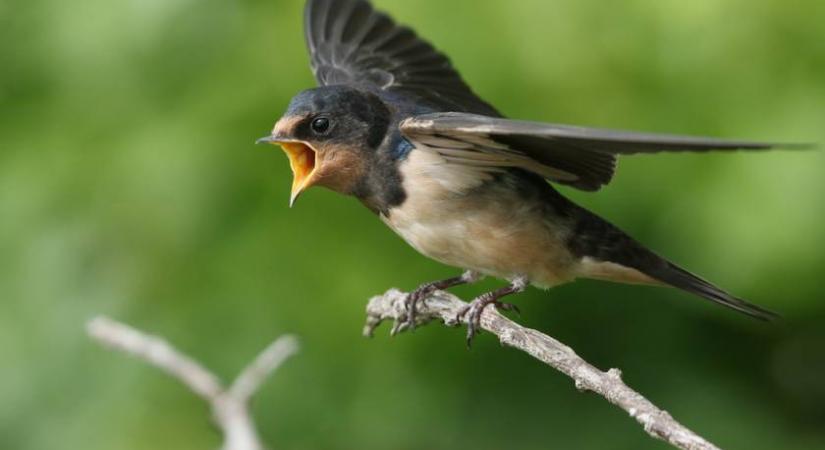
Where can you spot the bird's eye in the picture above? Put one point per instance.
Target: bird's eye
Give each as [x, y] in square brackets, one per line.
[320, 125]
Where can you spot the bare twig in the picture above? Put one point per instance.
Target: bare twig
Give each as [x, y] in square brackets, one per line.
[229, 406]
[445, 306]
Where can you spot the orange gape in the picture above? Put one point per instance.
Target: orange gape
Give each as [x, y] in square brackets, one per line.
[302, 162]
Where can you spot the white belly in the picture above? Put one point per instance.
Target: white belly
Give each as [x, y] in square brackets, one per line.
[489, 230]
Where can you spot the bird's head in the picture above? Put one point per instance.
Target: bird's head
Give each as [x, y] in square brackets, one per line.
[330, 135]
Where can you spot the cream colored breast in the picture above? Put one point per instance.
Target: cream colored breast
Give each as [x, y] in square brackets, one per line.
[453, 215]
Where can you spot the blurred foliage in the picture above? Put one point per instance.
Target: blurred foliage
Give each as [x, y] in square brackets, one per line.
[130, 186]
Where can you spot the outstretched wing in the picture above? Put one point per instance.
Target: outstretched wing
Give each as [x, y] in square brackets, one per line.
[352, 43]
[584, 158]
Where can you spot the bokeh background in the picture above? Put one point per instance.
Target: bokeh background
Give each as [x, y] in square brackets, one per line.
[130, 186]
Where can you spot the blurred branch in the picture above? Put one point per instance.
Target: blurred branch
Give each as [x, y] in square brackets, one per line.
[229, 406]
[444, 306]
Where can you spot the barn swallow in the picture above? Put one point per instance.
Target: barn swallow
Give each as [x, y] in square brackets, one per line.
[394, 125]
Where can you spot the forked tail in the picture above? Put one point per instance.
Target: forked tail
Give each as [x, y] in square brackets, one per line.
[677, 277]
[600, 241]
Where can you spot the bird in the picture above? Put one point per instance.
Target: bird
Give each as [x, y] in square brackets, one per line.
[393, 124]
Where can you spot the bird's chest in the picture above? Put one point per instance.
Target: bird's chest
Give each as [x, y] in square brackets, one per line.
[461, 217]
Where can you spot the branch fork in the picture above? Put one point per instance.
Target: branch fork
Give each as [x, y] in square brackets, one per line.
[230, 405]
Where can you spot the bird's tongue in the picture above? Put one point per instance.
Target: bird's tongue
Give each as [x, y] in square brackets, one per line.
[302, 162]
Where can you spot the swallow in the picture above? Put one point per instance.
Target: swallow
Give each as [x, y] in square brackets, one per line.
[394, 125]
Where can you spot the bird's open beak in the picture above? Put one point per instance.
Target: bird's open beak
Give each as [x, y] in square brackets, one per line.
[303, 160]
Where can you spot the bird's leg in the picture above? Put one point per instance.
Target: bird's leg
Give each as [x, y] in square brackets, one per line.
[474, 310]
[425, 290]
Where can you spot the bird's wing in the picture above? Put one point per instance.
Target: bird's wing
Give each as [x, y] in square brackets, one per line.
[352, 43]
[584, 158]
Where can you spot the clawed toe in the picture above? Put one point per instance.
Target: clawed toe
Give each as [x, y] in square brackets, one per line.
[473, 312]
[425, 290]
[509, 307]
[411, 306]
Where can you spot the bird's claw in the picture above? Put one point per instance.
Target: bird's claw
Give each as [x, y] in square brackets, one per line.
[411, 306]
[399, 327]
[472, 313]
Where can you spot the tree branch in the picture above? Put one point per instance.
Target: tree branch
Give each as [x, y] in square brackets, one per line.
[229, 406]
[445, 306]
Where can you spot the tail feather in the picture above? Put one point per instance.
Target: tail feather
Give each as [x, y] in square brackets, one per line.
[677, 277]
[595, 238]
[653, 269]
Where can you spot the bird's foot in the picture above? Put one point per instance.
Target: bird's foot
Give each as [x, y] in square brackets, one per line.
[419, 295]
[411, 303]
[472, 313]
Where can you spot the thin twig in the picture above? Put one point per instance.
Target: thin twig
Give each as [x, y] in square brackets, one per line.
[251, 378]
[229, 406]
[445, 306]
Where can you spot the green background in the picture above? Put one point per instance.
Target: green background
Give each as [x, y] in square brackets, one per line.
[130, 186]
